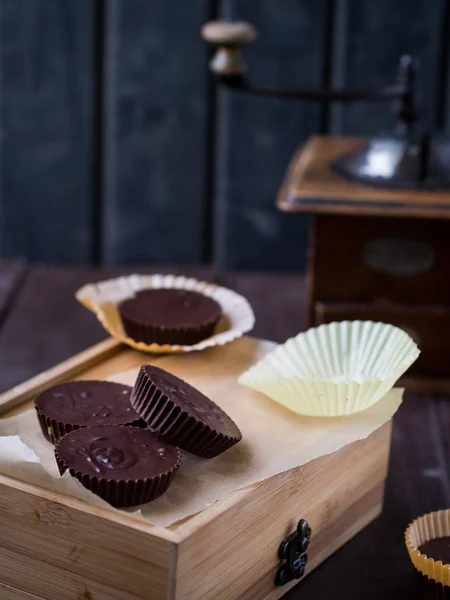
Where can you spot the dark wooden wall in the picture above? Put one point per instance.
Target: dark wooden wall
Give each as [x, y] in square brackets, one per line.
[117, 148]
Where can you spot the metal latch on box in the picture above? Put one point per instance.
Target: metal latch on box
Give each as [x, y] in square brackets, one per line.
[293, 551]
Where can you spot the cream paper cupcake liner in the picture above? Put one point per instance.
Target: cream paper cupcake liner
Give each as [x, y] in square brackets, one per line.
[424, 529]
[335, 369]
[103, 298]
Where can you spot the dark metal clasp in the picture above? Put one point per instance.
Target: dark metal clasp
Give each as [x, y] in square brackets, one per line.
[293, 551]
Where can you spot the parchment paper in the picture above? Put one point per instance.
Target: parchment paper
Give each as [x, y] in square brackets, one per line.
[274, 438]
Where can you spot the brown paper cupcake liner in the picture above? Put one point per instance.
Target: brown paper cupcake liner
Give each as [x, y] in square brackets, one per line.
[174, 425]
[434, 576]
[122, 493]
[53, 430]
[183, 336]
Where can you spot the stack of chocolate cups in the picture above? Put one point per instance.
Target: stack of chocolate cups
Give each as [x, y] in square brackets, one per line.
[93, 424]
[69, 406]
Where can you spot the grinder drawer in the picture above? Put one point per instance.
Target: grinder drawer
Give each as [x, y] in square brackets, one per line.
[429, 326]
[368, 259]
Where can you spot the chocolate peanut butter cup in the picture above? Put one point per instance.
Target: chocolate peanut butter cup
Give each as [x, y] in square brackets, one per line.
[76, 404]
[169, 316]
[182, 415]
[437, 549]
[125, 466]
[428, 543]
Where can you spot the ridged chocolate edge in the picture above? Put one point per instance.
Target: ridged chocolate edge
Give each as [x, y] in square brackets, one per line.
[53, 429]
[431, 589]
[182, 336]
[175, 426]
[122, 493]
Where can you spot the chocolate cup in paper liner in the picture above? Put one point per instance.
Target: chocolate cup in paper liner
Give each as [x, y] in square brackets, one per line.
[183, 336]
[433, 575]
[335, 369]
[169, 316]
[103, 299]
[181, 414]
[125, 466]
[75, 404]
[431, 589]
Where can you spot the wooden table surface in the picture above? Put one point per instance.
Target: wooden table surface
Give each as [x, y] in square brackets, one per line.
[41, 324]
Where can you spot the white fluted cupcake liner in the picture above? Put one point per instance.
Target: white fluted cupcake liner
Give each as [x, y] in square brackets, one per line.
[103, 298]
[334, 369]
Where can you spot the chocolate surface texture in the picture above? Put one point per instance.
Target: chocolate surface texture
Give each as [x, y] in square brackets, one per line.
[437, 549]
[181, 414]
[124, 465]
[75, 404]
[169, 316]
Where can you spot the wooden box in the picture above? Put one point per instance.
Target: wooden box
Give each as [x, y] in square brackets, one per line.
[55, 547]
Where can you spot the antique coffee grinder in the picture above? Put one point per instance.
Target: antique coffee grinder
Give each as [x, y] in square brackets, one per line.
[394, 266]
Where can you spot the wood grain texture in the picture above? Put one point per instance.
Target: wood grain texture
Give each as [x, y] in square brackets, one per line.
[54, 512]
[10, 593]
[82, 543]
[155, 132]
[348, 496]
[376, 34]
[79, 544]
[256, 135]
[47, 83]
[30, 574]
[125, 574]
